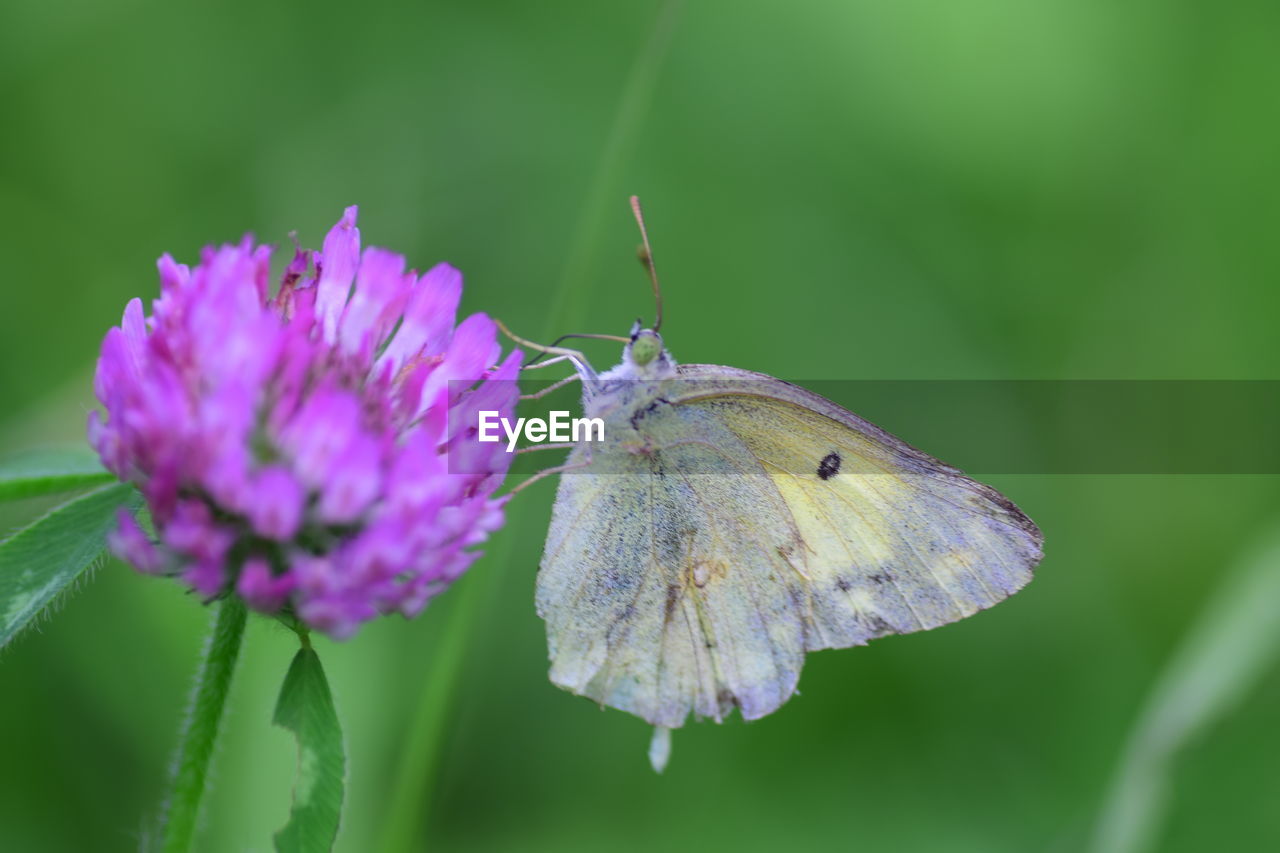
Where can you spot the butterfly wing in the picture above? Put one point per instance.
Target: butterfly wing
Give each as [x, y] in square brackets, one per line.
[894, 540]
[689, 566]
[664, 583]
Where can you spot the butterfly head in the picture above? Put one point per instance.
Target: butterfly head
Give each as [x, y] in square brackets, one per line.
[645, 356]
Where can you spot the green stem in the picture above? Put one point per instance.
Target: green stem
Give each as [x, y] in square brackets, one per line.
[200, 731]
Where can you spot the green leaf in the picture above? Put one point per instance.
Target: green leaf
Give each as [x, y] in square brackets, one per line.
[42, 472]
[43, 559]
[306, 708]
[1222, 657]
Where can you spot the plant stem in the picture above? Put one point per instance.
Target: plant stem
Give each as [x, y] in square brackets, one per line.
[200, 730]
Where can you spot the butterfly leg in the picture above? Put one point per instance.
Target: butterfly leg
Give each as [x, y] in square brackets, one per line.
[578, 360]
[559, 445]
[558, 469]
[541, 364]
[554, 386]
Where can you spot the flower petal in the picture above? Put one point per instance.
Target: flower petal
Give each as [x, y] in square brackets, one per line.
[276, 504]
[338, 262]
[429, 317]
[381, 291]
[260, 589]
[130, 543]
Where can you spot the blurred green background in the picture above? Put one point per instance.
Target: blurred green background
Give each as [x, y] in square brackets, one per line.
[970, 189]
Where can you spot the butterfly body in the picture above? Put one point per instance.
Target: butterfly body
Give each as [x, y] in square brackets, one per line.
[732, 522]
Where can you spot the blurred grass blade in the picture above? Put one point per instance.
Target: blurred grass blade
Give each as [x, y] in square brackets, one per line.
[1220, 659]
[306, 708]
[42, 472]
[405, 820]
[568, 308]
[45, 558]
[411, 796]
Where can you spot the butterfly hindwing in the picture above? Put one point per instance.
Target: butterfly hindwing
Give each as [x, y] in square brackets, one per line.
[664, 583]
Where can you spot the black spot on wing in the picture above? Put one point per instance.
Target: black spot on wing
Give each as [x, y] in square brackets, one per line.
[829, 466]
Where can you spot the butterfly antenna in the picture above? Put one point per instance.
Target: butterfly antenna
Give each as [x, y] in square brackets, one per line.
[646, 258]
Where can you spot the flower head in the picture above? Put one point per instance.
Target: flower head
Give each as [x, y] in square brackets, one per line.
[293, 446]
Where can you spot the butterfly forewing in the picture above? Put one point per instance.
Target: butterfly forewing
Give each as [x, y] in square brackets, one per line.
[896, 541]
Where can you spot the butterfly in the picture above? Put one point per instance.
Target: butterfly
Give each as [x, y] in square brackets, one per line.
[731, 522]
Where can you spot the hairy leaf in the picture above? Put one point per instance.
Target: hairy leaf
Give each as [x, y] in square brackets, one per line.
[43, 559]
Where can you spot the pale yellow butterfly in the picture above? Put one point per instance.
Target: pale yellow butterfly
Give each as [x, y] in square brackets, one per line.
[731, 522]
